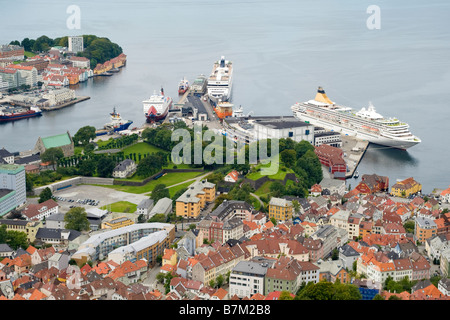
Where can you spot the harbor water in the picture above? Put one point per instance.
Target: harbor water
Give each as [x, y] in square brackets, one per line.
[281, 52]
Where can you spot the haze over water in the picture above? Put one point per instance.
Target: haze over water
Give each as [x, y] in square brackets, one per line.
[281, 51]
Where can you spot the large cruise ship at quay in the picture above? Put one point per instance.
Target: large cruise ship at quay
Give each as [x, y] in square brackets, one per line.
[220, 81]
[365, 124]
[157, 107]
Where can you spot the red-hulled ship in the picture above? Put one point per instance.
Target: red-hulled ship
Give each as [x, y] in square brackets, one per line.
[14, 113]
[157, 107]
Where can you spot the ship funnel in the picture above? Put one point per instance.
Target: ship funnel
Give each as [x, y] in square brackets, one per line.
[222, 62]
[321, 96]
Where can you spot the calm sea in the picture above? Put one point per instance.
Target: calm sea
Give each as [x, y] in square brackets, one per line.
[281, 50]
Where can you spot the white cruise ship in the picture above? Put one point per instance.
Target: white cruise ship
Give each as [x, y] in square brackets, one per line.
[365, 124]
[220, 81]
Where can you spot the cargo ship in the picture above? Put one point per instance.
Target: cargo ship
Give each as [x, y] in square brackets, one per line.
[116, 124]
[183, 86]
[16, 113]
[157, 107]
[365, 124]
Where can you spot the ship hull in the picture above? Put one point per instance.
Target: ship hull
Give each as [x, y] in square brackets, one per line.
[25, 115]
[155, 118]
[121, 127]
[372, 138]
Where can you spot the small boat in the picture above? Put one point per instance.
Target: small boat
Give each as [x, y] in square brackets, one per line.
[183, 86]
[356, 175]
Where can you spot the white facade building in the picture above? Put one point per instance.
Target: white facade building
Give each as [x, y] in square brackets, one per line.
[284, 128]
[58, 96]
[75, 44]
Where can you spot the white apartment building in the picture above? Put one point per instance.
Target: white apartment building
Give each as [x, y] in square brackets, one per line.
[247, 279]
[75, 44]
[59, 96]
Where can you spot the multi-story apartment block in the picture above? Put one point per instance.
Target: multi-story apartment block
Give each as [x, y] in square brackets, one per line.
[198, 194]
[12, 187]
[280, 209]
[75, 44]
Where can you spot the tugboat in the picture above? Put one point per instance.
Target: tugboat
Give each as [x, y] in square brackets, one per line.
[183, 86]
[116, 124]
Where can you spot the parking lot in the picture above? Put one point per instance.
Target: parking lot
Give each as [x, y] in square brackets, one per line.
[93, 197]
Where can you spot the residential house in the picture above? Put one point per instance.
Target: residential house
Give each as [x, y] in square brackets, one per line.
[232, 176]
[332, 271]
[40, 211]
[405, 188]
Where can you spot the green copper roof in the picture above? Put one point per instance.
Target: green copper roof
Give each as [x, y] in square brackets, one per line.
[56, 141]
[11, 168]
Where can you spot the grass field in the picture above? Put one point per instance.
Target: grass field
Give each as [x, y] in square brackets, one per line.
[121, 206]
[175, 189]
[264, 189]
[168, 179]
[142, 148]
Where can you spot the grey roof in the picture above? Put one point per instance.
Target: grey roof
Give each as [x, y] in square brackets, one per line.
[324, 232]
[190, 195]
[232, 224]
[14, 222]
[328, 133]
[251, 268]
[282, 123]
[421, 285]
[5, 248]
[28, 159]
[348, 251]
[5, 153]
[55, 217]
[280, 202]
[331, 183]
[145, 204]
[50, 233]
[226, 207]
[162, 205]
[122, 166]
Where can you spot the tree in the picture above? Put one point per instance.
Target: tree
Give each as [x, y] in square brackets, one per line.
[76, 219]
[285, 295]
[288, 157]
[17, 239]
[28, 182]
[159, 217]
[160, 191]
[220, 280]
[378, 297]
[84, 135]
[335, 254]
[45, 195]
[87, 167]
[105, 167]
[3, 233]
[52, 155]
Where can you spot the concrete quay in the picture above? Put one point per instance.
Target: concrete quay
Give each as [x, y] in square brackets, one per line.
[354, 150]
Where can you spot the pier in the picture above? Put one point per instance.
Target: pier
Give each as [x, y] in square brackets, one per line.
[66, 104]
[354, 150]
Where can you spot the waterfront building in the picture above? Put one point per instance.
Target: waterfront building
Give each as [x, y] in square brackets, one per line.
[405, 188]
[75, 44]
[372, 183]
[80, 62]
[198, 194]
[12, 187]
[285, 127]
[59, 96]
[333, 158]
[27, 75]
[280, 209]
[63, 141]
[9, 78]
[331, 138]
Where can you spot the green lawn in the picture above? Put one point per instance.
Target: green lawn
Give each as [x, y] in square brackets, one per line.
[168, 179]
[280, 175]
[121, 206]
[142, 148]
[264, 189]
[175, 189]
[29, 54]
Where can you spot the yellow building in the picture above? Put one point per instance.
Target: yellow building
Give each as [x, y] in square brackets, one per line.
[405, 188]
[198, 194]
[28, 227]
[169, 257]
[117, 223]
[280, 209]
